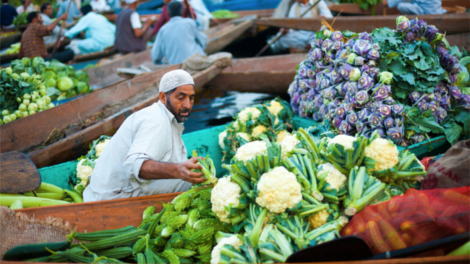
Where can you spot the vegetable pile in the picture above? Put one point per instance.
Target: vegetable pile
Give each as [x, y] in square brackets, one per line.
[365, 83]
[21, 19]
[363, 4]
[15, 48]
[224, 14]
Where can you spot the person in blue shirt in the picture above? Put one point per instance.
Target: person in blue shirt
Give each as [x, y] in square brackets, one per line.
[417, 7]
[178, 39]
[99, 32]
[7, 14]
[73, 10]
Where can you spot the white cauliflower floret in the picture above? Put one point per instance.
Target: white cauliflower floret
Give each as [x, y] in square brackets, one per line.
[281, 135]
[258, 131]
[250, 150]
[278, 190]
[318, 219]
[244, 135]
[288, 144]
[334, 177]
[222, 136]
[243, 115]
[383, 152]
[84, 172]
[344, 140]
[234, 241]
[225, 193]
[100, 147]
[275, 107]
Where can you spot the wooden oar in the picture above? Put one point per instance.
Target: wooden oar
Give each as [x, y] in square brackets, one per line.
[60, 32]
[18, 173]
[189, 9]
[279, 35]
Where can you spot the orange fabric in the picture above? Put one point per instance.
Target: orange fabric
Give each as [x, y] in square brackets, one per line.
[32, 42]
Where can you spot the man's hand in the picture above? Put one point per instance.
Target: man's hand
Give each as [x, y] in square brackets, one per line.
[64, 17]
[284, 31]
[186, 174]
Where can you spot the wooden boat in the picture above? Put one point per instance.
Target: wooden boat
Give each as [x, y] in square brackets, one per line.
[449, 23]
[94, 55]
[6, 41]
[5, 58]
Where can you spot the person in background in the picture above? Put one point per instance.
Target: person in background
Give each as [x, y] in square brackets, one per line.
[99, 32]
[32, 40]
[131, 35]
[99, 5]
[46, 13]
[26, 6]
[417, 7]
[7, 14]
[165, 17]
[147, 155]
[114, 4]
[73, 10]
[299, 39]
[175, 48]
[203, 15]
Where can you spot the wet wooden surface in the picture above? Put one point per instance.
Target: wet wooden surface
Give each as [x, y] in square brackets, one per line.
[18, 173]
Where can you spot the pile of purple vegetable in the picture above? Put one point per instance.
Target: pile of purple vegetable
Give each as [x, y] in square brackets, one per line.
[340, 81]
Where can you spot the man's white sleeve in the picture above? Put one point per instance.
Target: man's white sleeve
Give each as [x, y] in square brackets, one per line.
[324, 10]
[135, 20]
[156, 51]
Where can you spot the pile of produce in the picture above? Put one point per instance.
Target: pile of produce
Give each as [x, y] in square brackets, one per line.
[363, 83]
[15, 48]
[29, 85]
[6, 34]
[363, 4]
[224, 14]
[21, 19]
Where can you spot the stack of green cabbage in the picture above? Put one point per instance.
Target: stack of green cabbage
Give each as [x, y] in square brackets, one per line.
[15, 48]
[224, 14]
[363, 4]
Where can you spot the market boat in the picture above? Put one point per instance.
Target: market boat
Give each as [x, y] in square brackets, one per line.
[5, 58]
[6, 41]
[94, 55]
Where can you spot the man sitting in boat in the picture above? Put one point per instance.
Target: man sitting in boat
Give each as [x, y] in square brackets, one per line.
[7, 14]
[99, 32]
[165, 16]
[131, 35]
[147, 155]
[417, 7]
[26, 6]
[32, 41]
[46, 13]
[299, 39]
[73, 10]
[175, 48]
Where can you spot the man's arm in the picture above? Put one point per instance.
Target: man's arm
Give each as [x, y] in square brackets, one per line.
[139, 31]
[52, 25]
[164, 17]
[156, 52]
[201, 38]
[79, 27]
[154, 170]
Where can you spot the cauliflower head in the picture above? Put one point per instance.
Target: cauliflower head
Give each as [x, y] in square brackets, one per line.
[100, 147]
[244, 114]
[231, 240]
[384, 152]
[344, 140]
[318, 219]
[224, 193]
[278, 190]
[288, 144]
[84, 172]
[250, 150]
[244, 135]
[222, 136]
[258, 131]
[281, 135]
[334, 177]
[275, 107]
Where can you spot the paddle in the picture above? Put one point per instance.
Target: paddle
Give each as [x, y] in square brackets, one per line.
[60, 32]
[351, 248]
[279, 34]
[18, 173]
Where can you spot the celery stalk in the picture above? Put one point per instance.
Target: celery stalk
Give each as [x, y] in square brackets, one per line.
[29, 202]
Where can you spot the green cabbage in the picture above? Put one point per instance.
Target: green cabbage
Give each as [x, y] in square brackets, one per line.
[65, 84]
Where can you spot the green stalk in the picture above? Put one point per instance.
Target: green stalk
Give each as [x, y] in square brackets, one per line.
[261, 165]
[255, 233]
[313, 180]
[241, 182]
[282, 242]
[53, 196]
[238, 219]
[49, 188]
[232, 254]
[272, 255]
[154, 224]
[405, 174]
[287, 231]
[302, 165]
[251, 170]
[267, 164]
[358, 185]
[358, 205]
[314, 210]
[29, 202]
[77, 198]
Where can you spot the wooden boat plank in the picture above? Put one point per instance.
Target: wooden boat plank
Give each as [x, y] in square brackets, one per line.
[75, 145]
[221, 41]
[449, 23]
[7, 41]
[95, 55]
[459, 40]
[4, 58]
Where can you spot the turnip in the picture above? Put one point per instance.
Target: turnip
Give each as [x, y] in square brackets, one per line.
[32, 107]
[6, 119]
[26, 102]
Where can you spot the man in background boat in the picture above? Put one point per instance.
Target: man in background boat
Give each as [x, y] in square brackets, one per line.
[99, 32]
[176, 47]
[26, 6]
[32, 40]
[46, 13]
[299, 39]
[147, 155]
[73, 10]
[165, 16]
[99, 6]
[203, 15]
[417, 7]
[131, 35]
[7, 14]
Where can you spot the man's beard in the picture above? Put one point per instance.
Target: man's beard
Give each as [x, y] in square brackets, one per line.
[179, 118]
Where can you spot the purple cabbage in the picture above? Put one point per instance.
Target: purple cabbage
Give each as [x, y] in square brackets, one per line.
[455, 93]
[318, 42]
[414, 96]
[380, 93]
[352, 118]
[329, 57]
[374, 72]
[359, 61]
[337, 45]
[389, 100]
[362, 97]
[345, 127]
[364, 114]
[337, 36]
[330, 93]
[395, 134]
[410, 37]
[354, 74]
[423, 106]
[316, 54]
[388, 122]
[385, 110]
[362, 47]
[373, 54]
[343, 55]
[403, 24]
[365, 82]
[417, 138]
[340, 112]
[376, 46]
[345, 70]
[327, 45]
[397, 109]
[337, 121]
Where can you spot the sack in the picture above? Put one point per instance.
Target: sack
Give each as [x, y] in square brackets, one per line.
[450, 171]
[198, 62]
[412, 219]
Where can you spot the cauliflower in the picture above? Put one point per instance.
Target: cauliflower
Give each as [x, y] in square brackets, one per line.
[278, 190]
[275, 107]
[318, 219]
[225, 193]
[281, 135]
[243, 115]
[243, 135]
[100, 147]
[250, 150]
[258, 131]
[384, 152]
[84, 172]
[344, 140]
[334, 177]
[288, 144]
[222, 136]
[231, 240]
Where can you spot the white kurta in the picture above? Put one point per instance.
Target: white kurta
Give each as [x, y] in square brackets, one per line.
[149, 134]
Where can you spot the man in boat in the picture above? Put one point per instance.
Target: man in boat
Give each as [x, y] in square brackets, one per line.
[99, 32]
[131, 35]
[46, 13]
[26, 6]
[204, 17]
[147, 155]
[73, 10]
[417, 7]
[175, 48]
[165, 16]
[7, 14]
[99, 5]
[299, 39]
[32, 40]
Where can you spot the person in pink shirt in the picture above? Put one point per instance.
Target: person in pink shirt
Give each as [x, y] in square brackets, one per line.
[165, 16]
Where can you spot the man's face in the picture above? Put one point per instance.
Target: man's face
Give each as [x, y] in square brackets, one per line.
[180, 102]
[27, 3]
[303, 2]
[48, 11]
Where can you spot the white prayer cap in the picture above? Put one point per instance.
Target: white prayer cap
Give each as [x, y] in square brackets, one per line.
[174, 79]
[130, 1]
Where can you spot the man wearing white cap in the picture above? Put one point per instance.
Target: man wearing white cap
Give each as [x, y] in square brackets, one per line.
[147, 155]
